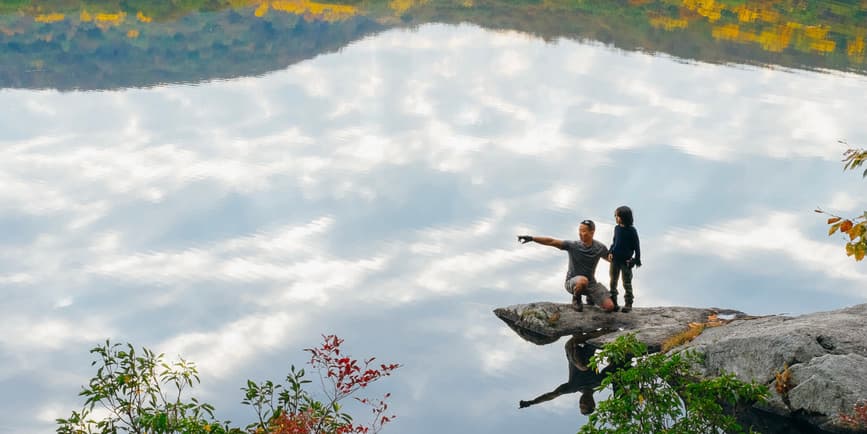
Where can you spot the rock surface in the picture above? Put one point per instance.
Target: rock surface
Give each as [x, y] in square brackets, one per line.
[825, 352]
[544, 322]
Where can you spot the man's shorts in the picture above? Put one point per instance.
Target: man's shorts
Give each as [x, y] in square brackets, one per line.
[595, 290]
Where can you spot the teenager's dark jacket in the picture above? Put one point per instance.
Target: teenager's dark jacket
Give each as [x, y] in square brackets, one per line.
[625, 244]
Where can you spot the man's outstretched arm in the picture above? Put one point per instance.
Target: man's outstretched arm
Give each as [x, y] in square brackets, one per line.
[546, 241]
[560, 390]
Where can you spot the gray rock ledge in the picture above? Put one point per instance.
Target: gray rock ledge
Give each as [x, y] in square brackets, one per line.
[544, 322]
[826, 352]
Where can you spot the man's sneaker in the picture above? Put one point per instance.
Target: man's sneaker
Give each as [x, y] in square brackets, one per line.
[576, 303]
[616, 306]
[627, 308]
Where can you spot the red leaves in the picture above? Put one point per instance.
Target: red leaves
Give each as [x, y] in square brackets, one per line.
[846, 226]
[345, 372]
[347, 376]
[296, 423]
[857, 420]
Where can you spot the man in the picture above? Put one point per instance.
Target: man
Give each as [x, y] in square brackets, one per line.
[581, 378]
[584, 255]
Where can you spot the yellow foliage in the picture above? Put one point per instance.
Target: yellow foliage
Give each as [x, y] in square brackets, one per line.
[467, 3]
[132, 34]
[85, 17]
[824, 46]
[262, 9]
[400, 6]
[107, 18]
[816, 32]
[143, 18]
[746, 15]
[668, 23]
[775, 40]
[683, 337]
[693, 330]
[323, 11]
[728, 32]
[855, 47]
[49, 18]
[709, 9]
[745, 36]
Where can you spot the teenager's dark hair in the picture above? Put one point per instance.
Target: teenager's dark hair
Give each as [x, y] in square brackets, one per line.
[625, 214]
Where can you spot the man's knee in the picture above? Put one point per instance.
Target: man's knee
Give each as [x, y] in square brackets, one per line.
[580, 283]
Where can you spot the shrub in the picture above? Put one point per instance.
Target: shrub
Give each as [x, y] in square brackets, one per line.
[663, 393]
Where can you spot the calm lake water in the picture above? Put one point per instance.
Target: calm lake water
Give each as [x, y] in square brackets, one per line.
[229, 185]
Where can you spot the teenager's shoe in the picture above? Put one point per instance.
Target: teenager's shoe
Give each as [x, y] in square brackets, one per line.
[627, 308]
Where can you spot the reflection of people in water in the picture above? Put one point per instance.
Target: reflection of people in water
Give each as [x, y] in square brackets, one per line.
[581, 378]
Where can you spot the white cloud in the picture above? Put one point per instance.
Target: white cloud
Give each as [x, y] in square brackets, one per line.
[779, 233]
[220, 351]
[844, 202]
[28, 333]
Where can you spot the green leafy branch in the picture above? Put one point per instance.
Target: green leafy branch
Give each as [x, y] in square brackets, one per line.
[663, 393]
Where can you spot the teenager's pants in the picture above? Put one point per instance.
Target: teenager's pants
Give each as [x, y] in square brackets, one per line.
[616, 269]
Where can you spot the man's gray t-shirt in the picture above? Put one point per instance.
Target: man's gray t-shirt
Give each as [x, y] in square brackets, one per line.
[583, 259]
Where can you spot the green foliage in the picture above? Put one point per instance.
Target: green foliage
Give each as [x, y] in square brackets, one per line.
[854, 158]
[141, 393]
[663, 393]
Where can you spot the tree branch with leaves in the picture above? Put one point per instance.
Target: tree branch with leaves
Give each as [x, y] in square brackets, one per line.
[854, 227]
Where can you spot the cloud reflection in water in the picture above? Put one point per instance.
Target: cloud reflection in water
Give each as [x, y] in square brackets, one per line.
[375, 194]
